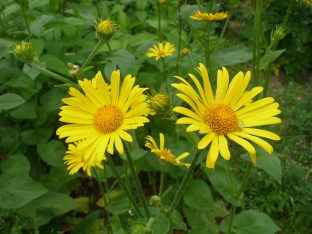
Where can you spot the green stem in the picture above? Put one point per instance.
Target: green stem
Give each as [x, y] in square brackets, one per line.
[179, 44]
[91, 56]
[6, 22]
[98, 9]
[257, 65]
[207, 50]
[222, 33]
[136, 181]
[24, 15]
[184, 183]
[49, 73]
[164, 74]
[262, 34]
[2, 25]
[266, 53]
[123, 186]
[93, 9]
[230, 176]
[240, 191]
[126, 175]
[291, 3]
[159, 25]
[106, 182]
[161, 180]
[110, 48]
[104, 198]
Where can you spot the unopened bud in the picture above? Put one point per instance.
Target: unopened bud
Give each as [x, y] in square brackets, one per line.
[25, 52]
[105, 29]
[73, 69]
[279, 33]
[155, 201]
[160, 103]
[140, 229]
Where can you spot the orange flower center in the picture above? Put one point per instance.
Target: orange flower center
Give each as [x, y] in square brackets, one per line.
[221, 118]
[108, 118]
[161, 53]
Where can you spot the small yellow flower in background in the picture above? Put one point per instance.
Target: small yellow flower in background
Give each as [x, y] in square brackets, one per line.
[160, 103]
[102, 117]
[141, 99]
[209, 17]
[225, 114]
[75, 159]
[164, 155]
[161, 51]
[186, 51]
[161, 1]
[309, 2]
[105, 29]
[25, 52]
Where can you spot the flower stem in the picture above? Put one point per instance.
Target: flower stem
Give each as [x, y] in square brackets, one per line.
[161, 180]
[110, 49]
[241, 189]
[222, 33]
[262, 34]
[164, 74]
[49, 73]
[104, 198]
[106, 182]
[136, 181]
[122, 184]
[257, 40]
[2, 25]
[126, 175]
[184, 183]
[91, 56]
[230, 176]
[159, 25]
[266, 53]
[5, 21]
[24, 15]
[179, 44]
[98, 9]
[207, 50]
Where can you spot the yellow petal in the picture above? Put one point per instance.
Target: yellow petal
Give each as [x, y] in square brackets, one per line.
[224, 149]
[243, 143]
[162, 141]
[262, 133]
[214, 149]
[206, 140]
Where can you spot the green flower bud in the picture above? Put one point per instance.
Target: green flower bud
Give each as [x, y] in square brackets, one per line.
[279, 33]
[25, 52]
[155, 201]
[140, 229]
[160, 103]
[105, 29]
[73, 69]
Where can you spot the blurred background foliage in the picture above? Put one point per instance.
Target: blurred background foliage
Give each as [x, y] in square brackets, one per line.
[32, 168]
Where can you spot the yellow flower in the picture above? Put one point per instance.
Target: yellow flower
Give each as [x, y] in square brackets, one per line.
[209, 17]
[164, 155]
[141, 100]
[25, 52]
[101, 117]
[225, 114]
[309, 2]
[161, 1]
[186, 51]
[161, 51]
[75, 159]
[105, 29]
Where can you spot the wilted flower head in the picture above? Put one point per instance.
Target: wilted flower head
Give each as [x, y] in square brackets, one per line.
[161, 51]
[25, 52]
[105, 29]
[186, 51]
[209, 16]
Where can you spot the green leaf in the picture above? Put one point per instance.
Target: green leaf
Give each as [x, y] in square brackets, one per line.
[119, 207]
[220, 210]
[219, 178]
[39, 46]
[100, 173]
[25, 111]
[161, 224]
[140, 38]
[270, 58]
[141, 15]
[30, 138]
[200, 230]
[85, 11]
[154, 24]
[270, 163]
[39, 22]
[33, 73]
[85, 225]
[52, 153]
[17, 161]
[17, 189]
[10, 100]
[37, 3]
[4, 47]
[176, 221]
[251, 222]
[8, 137]
[52, 100]
[234, 3]
[198, 218]
[197, 195]
[54, 64]
[8, 10]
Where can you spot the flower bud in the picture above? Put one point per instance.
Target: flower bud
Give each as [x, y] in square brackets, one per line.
[25, 52]
[186, 51]
[161, 1]
[279, 33]
[160, 103]
[73, 69]
[105, 29]
[155, 201]
[140, 229]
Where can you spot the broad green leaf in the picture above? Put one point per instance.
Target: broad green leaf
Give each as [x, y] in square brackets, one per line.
[85, 11]
[10, 100]
[8, 137]
[140, 38]
[270, 163]
[17, 189]
[17, 161]
[176, 221]
[5, 47]
[198, 218]
[30, 136]
[220, 210]
[55, 64]
[76, 21]
[270, 58]
[251, 222]
[33, 73]
[200, 230]
[154, 23]
[234, 3]
[197, 195]
[38, 46]
[220, 180]
[85, 225]
[52, 153]
[8, 10]
[39, 22]
[119, 207]
[161, 224]
[141, 15]
[100, 173]
[84, 204]
[37, 3]
[25, 111]
[52, 100]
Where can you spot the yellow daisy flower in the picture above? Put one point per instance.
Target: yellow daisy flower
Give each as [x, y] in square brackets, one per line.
[209, 16]
[186, 51]
[165, 156]
[309, 2]
[101, 117]
[225, 114]
[160, 51]
[75, 159]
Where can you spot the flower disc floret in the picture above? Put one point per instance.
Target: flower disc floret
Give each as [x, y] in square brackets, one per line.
[108, 118]
[221, 118]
